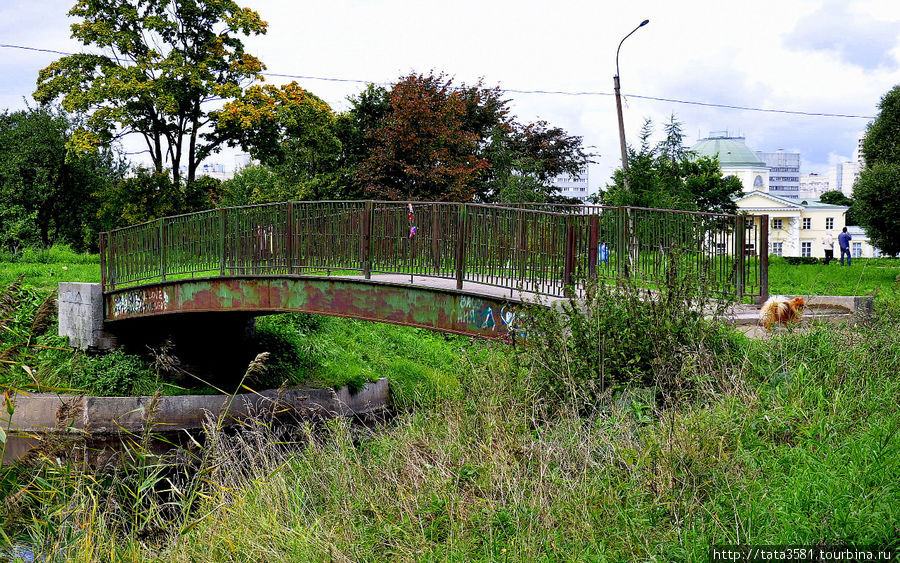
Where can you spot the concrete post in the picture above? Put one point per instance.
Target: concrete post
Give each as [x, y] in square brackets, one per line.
[81, 316]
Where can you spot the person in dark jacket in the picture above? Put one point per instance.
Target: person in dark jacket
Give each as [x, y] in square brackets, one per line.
[844, 242]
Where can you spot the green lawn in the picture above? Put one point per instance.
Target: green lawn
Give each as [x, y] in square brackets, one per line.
[864, 277]
[45, 268]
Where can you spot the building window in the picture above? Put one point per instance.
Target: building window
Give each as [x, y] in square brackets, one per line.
[829, 223]
[857, 249]
[777, 224]
[758, 182]
[805, 249]
[807, 223]
[778, 248]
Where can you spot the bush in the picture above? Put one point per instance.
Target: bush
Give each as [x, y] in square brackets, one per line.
[618, 335]
[114, 374]
[797, 260]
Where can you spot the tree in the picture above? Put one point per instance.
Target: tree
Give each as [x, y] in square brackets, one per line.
[422, 148]
[877, 197]
[877, 191]
[524, 160]
[882, 142]
[837, 197]
[427, 138]
[669, 176]
[288, 129]
[154, 65]
[45, 197]
[255, 184]
[147, 194]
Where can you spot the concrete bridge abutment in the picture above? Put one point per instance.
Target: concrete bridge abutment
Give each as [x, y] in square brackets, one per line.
[81, 316]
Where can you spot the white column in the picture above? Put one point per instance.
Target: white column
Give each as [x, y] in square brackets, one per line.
[793, 240]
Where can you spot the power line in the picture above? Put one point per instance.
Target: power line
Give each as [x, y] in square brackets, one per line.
[535, 92]
[34, 49]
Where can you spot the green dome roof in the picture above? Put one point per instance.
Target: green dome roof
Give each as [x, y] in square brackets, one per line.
[731, 151]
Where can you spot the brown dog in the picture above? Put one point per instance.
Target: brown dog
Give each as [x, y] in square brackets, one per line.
[777, 310]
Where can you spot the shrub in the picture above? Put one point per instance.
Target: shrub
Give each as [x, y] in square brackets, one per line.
[798, 260]
[618, 335]
[115, 373]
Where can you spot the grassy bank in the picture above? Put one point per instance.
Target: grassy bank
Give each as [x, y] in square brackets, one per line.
[796, 451]
[791, 440]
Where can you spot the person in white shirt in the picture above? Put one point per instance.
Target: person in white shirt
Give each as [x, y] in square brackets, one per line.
[828, 244]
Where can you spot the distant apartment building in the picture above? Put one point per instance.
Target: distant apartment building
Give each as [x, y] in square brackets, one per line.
[849, 174]
[784, 173]
[844, 174]
[813, 185]
[573, 186]
[241, 160]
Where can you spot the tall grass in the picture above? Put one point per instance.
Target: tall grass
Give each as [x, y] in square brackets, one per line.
[704, 438]
[796, 443]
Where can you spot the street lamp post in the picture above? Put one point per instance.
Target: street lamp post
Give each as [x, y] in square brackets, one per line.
[619, 107]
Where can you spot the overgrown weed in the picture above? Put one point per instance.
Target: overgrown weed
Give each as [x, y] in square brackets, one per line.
[619, 335]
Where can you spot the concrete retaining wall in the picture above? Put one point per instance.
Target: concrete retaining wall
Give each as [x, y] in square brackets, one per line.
[111, 415]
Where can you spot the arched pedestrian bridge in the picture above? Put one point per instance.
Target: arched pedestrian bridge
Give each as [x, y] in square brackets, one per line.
[461, 268]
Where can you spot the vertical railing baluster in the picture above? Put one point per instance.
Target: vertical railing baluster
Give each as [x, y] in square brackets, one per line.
[162, 248]
[738, 244]
[435, 239]
[289, 238]
[569, 257]
[103, 261]
[763, 253]
[221, 245]
[461, 245]
[366, 239]
[593, 245]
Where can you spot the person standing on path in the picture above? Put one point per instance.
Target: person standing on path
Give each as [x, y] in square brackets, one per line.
[844, 243]
[828, 244]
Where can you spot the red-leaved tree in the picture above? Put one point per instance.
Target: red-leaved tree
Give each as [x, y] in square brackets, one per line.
[426, 148]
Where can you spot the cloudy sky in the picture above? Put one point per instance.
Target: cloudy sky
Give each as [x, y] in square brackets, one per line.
[834, 57]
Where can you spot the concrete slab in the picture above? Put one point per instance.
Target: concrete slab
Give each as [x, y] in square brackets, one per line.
[43, 413]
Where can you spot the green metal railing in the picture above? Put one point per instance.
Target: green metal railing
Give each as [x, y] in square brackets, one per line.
[538, 248]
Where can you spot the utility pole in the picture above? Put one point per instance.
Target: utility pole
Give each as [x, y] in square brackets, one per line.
[619, 108]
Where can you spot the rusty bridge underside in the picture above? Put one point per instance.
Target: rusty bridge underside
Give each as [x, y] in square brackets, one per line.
[484, 312]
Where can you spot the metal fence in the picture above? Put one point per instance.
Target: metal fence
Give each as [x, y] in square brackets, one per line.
[539, 248]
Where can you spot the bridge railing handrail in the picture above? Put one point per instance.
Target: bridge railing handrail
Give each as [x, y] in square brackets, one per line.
[536, 247]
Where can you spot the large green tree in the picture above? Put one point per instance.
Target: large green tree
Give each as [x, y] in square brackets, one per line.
[288, 129]
[46, 197]
[151, 68]
[877, 191]
[877, 198]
